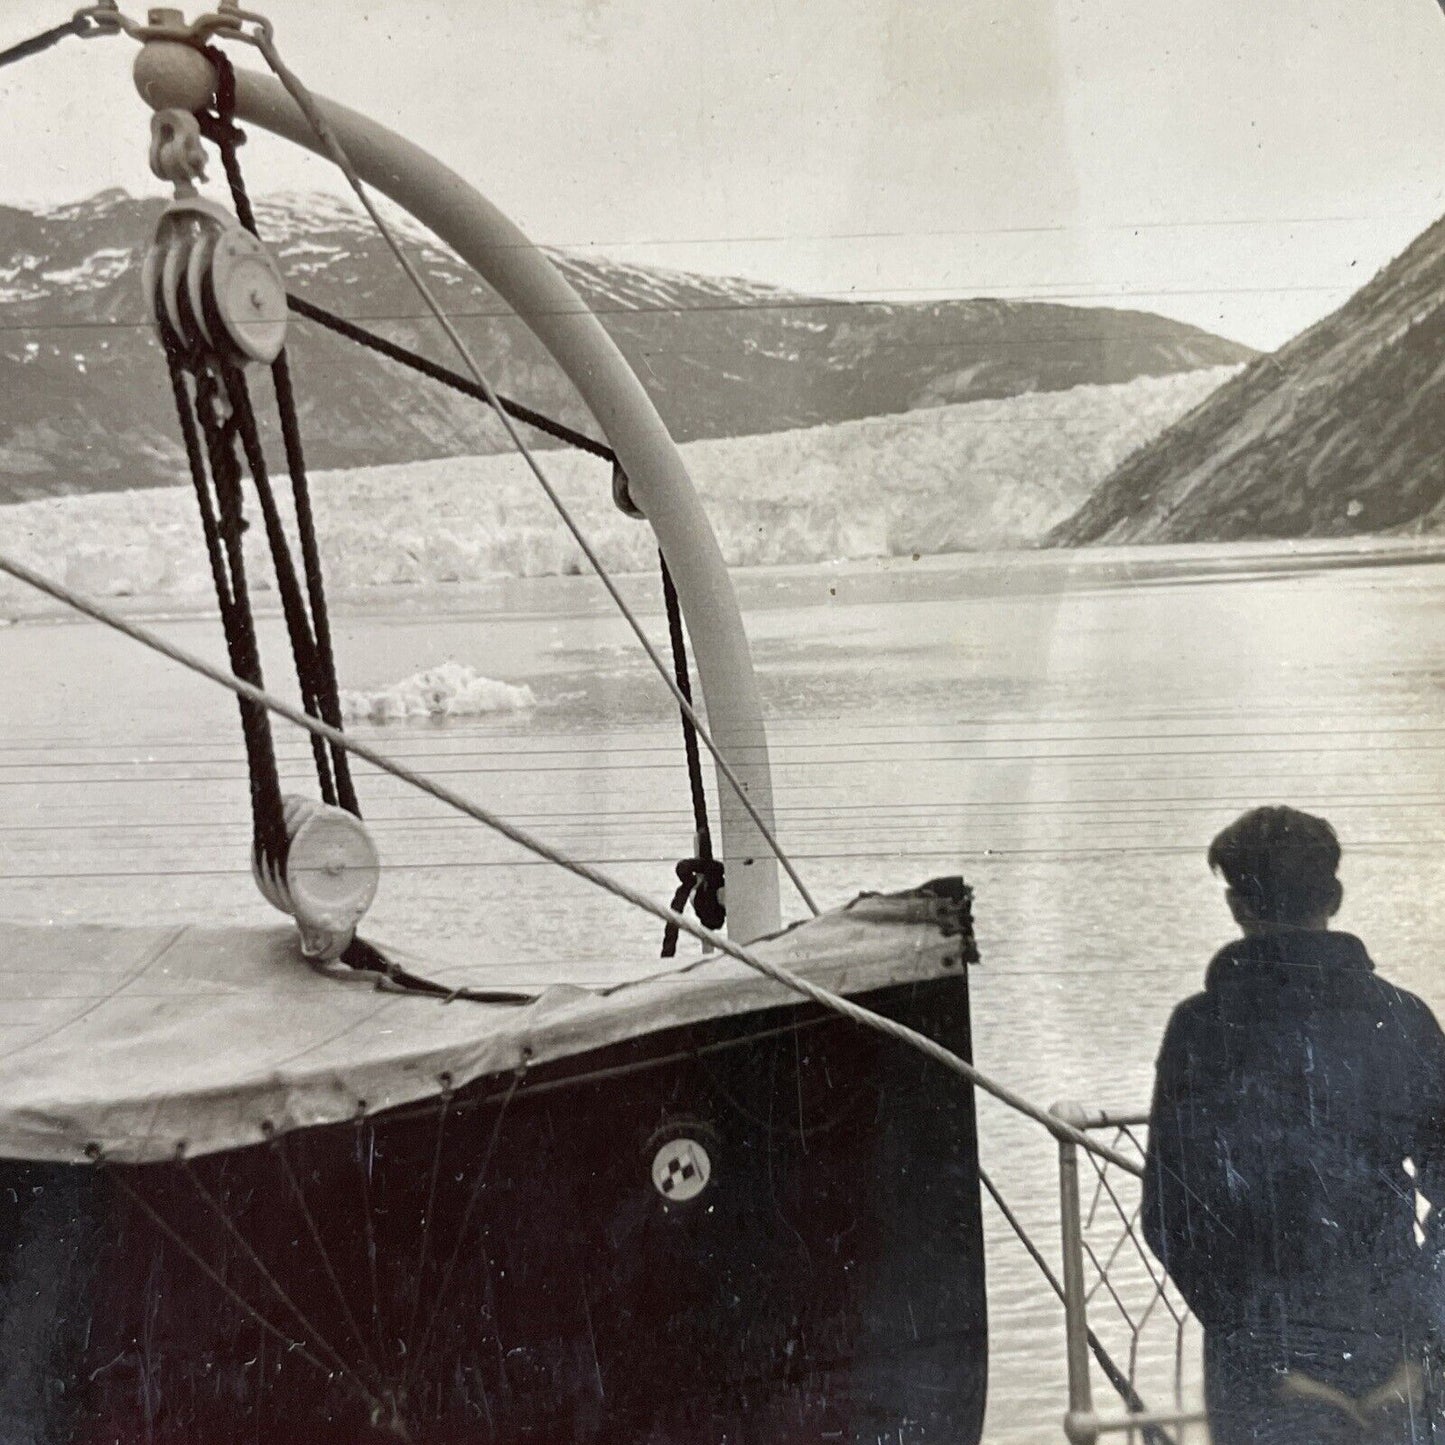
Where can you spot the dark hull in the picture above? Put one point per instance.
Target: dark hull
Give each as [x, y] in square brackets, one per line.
[502, 1266]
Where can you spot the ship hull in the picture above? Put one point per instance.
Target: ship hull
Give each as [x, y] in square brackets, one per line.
[762, 1228]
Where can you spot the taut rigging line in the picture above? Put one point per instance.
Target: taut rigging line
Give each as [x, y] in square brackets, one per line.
[826, 998]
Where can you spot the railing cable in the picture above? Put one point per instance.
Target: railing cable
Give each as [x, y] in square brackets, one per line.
[1153, 1434]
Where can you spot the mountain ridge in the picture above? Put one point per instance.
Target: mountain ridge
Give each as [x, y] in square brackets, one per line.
[1334, 434]
[84, 405]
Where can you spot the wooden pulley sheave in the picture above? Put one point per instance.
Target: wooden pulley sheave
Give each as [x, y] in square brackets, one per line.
[214, 288]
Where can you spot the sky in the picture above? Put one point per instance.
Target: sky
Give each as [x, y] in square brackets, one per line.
[1240, 164]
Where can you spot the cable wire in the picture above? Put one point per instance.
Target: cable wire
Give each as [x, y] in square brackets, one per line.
[1153, 1434]
[333, 147]
[824, 997]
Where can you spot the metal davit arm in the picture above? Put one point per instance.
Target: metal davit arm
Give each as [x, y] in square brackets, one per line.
[657, 479]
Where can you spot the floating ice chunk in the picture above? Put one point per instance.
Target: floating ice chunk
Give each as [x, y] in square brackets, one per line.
[450, 690]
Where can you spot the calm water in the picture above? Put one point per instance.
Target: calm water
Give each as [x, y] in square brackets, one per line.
[1068, 733]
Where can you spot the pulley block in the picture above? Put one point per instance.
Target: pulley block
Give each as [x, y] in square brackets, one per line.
[329, 876]
[213, 287]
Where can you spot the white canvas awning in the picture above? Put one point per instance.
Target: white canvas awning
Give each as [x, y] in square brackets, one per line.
[138, 1041]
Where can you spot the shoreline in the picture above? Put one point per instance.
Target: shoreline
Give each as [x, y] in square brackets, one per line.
[1124, 564]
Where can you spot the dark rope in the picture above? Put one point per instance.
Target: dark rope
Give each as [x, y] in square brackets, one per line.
[700, 882]
[369, 339]
[293, 603]
[38, 43]
[255, 727]
[329, 695]
[700, 878]
[366, 958]
[220, 128]
[196, 461]
[689, 733]
[239, 624]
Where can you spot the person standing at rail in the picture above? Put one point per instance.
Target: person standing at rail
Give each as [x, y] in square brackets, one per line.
[1299, 1105]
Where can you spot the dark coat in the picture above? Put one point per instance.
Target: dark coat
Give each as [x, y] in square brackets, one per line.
[1288, 1097]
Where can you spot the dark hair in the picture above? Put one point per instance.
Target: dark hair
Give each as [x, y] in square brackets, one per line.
[1280, 863]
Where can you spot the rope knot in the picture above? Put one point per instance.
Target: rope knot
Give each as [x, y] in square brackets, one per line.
[701, 883]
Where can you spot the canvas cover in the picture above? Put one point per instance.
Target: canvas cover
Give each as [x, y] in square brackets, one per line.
[139, 1041]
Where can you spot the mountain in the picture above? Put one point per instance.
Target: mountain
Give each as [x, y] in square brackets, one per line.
[84, 403]
[1335, 434]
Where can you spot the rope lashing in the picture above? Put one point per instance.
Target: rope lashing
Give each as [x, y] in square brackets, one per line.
[700, 877]
[365, 958]
[701, 884]
[824, 997]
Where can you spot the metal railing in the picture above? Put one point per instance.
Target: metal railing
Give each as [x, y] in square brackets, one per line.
[1141, 1334]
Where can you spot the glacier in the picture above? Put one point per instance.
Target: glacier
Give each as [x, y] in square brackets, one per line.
[982, 475]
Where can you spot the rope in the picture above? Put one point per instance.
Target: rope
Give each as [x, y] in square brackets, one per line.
[419, 1354]
[143, 1204]
[307, 105]
[278, 1146]
[815, 992]
[293, 604]
[229, 572]
[1153, 1434]
[220, 127]
[701, 877]
[363, 957]
[329, 695]
[700, 882]
[76, 25]
[454, 379]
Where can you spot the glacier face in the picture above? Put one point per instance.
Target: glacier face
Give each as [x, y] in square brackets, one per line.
[981, 475]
